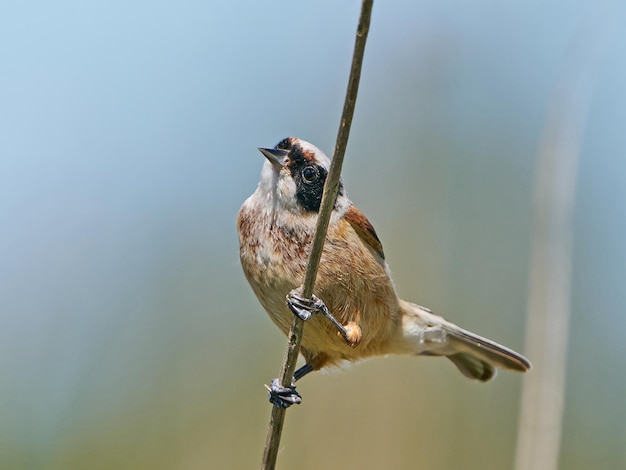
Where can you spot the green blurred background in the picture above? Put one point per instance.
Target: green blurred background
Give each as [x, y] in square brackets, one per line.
[129, 338]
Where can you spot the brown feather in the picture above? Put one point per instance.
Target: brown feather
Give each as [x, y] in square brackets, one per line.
[364, 229]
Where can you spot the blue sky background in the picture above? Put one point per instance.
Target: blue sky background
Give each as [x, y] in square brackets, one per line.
[128, 134]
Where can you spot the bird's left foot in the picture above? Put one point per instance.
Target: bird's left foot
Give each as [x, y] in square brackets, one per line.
[283, 397]
[301, 307]
[305, 308]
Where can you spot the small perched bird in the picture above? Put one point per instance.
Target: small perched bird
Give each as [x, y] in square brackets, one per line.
[362, 314]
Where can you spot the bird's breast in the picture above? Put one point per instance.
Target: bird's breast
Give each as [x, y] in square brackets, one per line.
[352, 279]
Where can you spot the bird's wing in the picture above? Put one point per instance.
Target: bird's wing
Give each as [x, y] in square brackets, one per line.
[364, 229]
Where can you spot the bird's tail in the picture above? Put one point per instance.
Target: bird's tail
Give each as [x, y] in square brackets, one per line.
[425, 333]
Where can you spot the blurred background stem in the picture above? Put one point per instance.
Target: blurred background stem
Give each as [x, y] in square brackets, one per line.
[548, 317]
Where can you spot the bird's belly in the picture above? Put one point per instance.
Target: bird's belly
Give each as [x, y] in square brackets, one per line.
[354, 284]
[377, 319]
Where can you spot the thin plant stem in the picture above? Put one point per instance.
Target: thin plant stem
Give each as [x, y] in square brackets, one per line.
[547, 328]
[294, 338]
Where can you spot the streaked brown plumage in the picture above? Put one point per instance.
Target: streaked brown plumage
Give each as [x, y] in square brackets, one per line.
[276, 225]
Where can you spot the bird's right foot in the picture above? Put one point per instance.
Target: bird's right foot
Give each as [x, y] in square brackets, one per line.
[283, 397]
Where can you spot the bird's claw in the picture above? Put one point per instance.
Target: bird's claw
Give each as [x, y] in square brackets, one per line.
[283, 397]
[304, 309]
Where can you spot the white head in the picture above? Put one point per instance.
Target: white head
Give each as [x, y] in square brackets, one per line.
[293, 177]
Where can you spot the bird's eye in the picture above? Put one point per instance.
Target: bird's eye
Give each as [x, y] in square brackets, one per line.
[310, 174]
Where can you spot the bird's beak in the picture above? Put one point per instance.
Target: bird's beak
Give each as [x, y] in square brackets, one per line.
[277, 157]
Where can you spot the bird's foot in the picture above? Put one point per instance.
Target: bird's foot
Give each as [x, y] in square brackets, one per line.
[304, 309]
[283, 397]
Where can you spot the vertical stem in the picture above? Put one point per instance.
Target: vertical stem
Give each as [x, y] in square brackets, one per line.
[547, 327]
[294, 338]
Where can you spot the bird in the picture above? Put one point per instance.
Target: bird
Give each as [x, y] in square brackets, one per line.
[361, 313]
